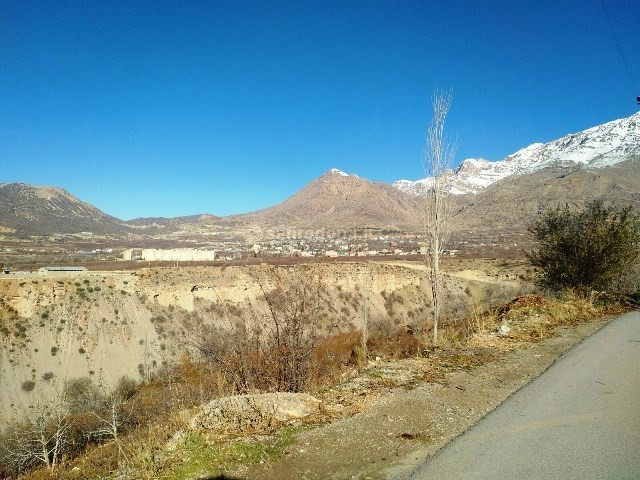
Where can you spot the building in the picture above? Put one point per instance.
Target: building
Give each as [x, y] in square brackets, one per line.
[46, 270]
[178, 255]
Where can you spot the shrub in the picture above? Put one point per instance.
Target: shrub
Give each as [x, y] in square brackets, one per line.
[28, 385]
[586, 249]
[83, 395]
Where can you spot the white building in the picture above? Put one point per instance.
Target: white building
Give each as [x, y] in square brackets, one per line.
[178, 254]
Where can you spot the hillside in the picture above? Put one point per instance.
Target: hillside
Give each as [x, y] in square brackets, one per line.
[33, 210]
[92, 328]
[514, 202]
[160, 225]
[61, 326]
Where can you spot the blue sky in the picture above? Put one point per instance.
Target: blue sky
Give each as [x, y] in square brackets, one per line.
[164, 108]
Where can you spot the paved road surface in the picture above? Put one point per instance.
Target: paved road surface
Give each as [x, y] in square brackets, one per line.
[578, 420]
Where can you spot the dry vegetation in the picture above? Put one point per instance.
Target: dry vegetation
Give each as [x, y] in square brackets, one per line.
[281, 343]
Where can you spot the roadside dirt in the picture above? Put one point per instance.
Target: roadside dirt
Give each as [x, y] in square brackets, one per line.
[385, 422]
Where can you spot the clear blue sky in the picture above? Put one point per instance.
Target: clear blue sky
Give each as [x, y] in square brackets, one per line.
[167, 108]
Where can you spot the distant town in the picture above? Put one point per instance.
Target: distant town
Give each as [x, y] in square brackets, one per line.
[98, 250]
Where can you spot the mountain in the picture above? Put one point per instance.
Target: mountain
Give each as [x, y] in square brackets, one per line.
[514, 202]
[601, 162]
[33, 210]
[595, 148]
[341, 201]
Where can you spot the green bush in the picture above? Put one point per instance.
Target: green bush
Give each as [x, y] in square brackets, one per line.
[593, 248]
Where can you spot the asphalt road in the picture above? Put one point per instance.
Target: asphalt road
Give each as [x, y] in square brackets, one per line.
[578, 420]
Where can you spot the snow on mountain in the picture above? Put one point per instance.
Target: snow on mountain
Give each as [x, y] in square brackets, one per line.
[335, 171]
[596, 147]
[339, 172]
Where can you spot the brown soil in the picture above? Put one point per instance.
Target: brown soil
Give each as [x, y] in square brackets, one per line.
[387, 421]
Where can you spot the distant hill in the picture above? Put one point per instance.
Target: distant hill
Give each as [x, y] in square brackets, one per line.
[338, 200]
[160, 225]
[32, 210]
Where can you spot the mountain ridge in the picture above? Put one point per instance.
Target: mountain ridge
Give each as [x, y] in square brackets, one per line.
[558, 171]
[336, 198]
[596, 147]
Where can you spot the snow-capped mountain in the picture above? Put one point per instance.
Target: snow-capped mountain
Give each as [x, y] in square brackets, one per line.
[596, 147]
[342, 174]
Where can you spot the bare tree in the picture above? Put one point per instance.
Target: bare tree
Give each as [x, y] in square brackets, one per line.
[438, 157]
[39, 439]
[292, 324]
[269, 344]
[230, 343]
[111, 418]
[364, 338]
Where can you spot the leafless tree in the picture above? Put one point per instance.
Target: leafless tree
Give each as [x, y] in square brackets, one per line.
[292, 324]
[438, 158]
[268, 345]
[41, 438]
[111, 418]
[365, 329]
[229, 342]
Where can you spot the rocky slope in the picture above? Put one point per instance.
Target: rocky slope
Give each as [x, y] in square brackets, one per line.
[513, 203]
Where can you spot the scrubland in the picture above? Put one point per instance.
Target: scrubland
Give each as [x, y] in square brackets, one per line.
[115, 366]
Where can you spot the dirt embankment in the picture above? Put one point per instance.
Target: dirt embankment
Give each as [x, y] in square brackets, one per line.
[107, 325]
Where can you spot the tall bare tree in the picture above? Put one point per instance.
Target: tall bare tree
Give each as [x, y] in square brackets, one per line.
[438, 158]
